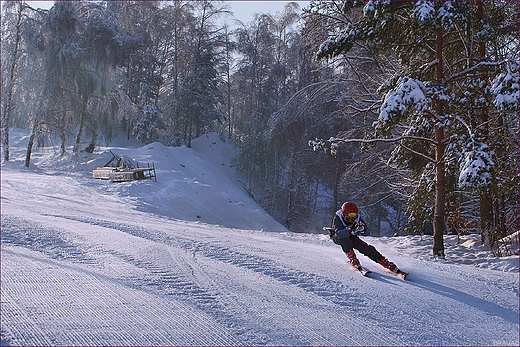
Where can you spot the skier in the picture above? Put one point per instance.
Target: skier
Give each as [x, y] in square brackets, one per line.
[346, 226]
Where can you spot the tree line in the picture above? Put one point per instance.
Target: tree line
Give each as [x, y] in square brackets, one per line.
[419, 100]
[450, 106]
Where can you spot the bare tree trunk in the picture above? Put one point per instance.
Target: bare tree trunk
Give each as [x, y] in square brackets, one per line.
[5, 133]
[440, 196]
[378, 228]
[30, 146]
[228, 85]
[440, 191]
[62, 128]
[486, 217]
[189, 134]
[63, 138]
[81, 124]
[80, 132]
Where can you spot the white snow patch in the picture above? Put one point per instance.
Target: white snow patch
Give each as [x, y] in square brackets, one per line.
[408, 94]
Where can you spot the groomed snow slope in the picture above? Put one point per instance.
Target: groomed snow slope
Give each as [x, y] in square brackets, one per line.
[86, 262]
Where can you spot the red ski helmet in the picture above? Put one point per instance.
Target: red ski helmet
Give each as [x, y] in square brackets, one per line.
[349, 210]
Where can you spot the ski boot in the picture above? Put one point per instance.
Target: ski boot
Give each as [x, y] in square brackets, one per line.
[355, 263]
[393, 268]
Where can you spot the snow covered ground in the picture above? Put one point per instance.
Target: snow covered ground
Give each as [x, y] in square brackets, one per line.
[192, 260]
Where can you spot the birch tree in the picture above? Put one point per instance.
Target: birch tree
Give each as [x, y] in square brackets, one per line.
[13, 20]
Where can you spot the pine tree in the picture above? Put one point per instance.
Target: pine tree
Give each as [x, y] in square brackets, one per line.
[145, 130]
[198, 100]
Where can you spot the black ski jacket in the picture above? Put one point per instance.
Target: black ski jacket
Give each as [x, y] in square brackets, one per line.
[339, 223]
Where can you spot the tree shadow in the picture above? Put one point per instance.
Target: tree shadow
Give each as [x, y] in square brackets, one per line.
[490, 308]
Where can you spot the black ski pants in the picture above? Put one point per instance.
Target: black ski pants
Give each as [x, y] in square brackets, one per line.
[353, 241]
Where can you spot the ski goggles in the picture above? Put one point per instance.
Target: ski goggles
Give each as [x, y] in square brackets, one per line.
[351, 216]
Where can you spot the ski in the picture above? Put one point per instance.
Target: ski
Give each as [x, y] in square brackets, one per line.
[364, 272]
[402, 274]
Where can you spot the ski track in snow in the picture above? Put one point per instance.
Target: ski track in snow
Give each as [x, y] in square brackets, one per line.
[84, 265]
[161, 278]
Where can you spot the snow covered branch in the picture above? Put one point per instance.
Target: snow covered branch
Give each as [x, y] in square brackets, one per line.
[331, 145]
[471, 69]
[506, 87]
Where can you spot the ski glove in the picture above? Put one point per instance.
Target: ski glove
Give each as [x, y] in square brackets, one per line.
[357, 229]
[343, 233]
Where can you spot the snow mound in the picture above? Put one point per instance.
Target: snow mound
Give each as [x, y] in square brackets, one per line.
[197, 184]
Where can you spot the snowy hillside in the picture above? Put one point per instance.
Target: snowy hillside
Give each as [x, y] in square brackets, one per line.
[192, 260]
[195, 184]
